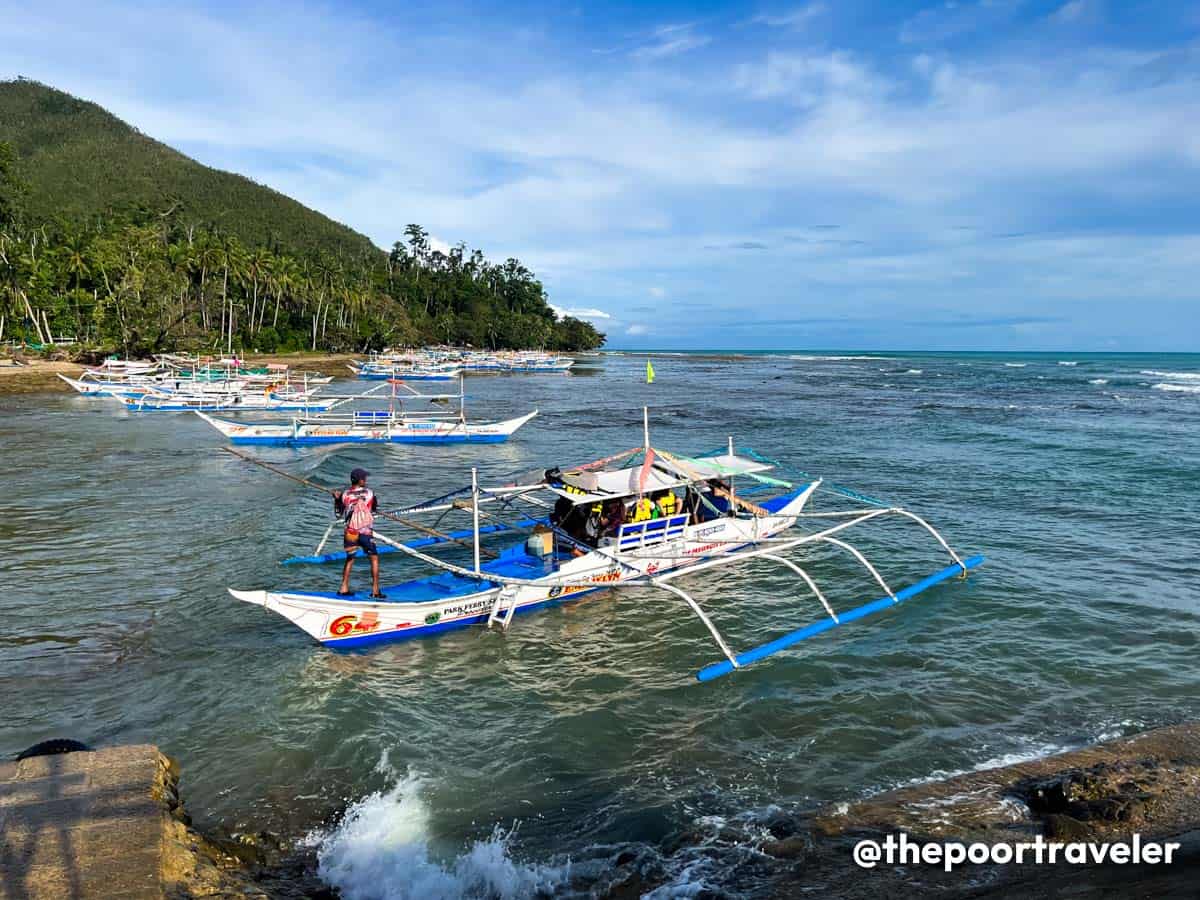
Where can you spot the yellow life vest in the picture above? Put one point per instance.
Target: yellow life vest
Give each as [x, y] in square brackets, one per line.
[667, 504]
[643, 509]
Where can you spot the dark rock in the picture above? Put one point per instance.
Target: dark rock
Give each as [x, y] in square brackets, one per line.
[1047, 796]
[1133, 811]
[781, 825]
[624, 858]
[796, 847]
[1064, 828]
[629, 888]
[53, 747]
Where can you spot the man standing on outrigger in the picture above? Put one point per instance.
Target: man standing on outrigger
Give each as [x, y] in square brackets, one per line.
[358, 504]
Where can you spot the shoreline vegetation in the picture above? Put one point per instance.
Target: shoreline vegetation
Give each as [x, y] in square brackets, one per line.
[119, 243]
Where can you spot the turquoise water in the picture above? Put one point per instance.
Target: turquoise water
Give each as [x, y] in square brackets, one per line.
[578, 748]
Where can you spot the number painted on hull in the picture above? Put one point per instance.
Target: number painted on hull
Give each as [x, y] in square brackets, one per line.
[344, 625]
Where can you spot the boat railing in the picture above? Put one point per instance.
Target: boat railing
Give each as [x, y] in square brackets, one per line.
[636, 535]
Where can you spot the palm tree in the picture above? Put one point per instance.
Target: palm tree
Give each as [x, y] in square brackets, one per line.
[258, 267]
[233, 263]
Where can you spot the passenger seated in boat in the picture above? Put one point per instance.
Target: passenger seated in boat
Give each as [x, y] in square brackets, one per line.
[573, 521]
[701, 503]
[645, 509]
[562, 511]
[612, 517]
[593, 525]
[665, 504]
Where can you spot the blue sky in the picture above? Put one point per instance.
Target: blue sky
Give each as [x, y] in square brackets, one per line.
[951, 175]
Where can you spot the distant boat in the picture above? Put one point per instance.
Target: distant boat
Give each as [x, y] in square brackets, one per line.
[649, 373]
[367, 427]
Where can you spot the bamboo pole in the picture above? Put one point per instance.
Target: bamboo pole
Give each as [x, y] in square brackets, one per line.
[408, 523]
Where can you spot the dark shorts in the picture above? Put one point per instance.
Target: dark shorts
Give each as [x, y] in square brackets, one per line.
[365, 542]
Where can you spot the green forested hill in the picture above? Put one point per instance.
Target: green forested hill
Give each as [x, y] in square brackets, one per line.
[80, 161]
[114, 240]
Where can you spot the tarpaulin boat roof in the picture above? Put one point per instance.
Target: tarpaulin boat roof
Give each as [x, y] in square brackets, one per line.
[591, 487]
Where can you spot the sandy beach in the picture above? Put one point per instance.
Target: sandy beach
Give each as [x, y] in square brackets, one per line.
[35, 375]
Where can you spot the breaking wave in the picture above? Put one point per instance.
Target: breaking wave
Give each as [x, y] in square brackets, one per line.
[1185, 376]
[1067, 362]
[1179, 388]
[1015, 365]
[1097, 381]
[380, 850]
[833, 358]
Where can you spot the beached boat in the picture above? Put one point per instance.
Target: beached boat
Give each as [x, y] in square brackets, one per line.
[708, 522]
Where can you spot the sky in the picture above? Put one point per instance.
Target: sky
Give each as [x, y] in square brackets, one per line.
[990, 175]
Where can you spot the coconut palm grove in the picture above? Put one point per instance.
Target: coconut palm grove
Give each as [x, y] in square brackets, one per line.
[115, 241]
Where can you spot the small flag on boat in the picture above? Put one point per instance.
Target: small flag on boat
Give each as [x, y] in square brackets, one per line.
[649, 373]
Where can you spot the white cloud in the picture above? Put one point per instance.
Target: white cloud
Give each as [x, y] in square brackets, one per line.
[670, 40]
[580, 313]
[953, 19]
[1075, 11]
[635, 329]
[609, 179]
[807, 78]
[794, 18]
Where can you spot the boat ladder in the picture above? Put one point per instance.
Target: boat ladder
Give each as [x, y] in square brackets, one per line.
[503, 607]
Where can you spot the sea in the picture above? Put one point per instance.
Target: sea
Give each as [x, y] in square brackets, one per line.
[577, 754]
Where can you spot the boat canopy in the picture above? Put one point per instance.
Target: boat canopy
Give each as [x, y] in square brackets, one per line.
[592, 487]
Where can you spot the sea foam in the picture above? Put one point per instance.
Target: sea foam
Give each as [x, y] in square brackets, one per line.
[1183, 376]
[380, 851]
[834, 358]
[1179, 388]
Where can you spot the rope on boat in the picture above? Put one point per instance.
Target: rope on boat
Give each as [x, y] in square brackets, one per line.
[408, 523]
[831, 487]
[696, 478]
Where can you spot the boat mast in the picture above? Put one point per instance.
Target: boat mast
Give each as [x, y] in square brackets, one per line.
[732, 492]
[646, 428]
[475, 513]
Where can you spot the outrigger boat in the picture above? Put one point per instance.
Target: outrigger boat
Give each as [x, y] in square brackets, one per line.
[710, 523]
[131, 386]
[386, 371]
[394, 425]
[267, 401]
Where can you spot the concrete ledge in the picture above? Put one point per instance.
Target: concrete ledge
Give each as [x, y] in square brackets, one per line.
[106, 823]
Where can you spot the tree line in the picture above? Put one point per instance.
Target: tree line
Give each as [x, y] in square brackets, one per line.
[148, 281]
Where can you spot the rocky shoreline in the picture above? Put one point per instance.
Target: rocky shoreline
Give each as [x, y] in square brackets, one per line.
[1147, 784]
